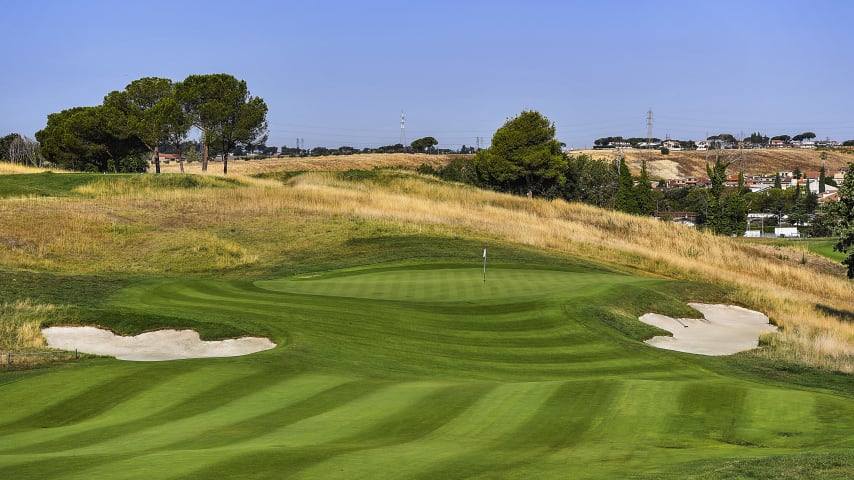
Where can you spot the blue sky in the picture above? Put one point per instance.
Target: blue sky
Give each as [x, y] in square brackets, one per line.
[339, 73]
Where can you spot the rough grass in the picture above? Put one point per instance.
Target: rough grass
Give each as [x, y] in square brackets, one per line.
[761, 161]
[330, 163]
[20, 324]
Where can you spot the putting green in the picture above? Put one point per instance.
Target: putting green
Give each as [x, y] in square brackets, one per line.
[446, 284]
[413, 372]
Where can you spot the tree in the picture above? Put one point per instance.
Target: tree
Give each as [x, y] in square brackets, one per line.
[5, 144]
[523, 156]
[148, 110]
[822, 177]
[25, 150]
[757, 139]
[590, 180]
[625, 199]
[777, 183]
[222, 108]
[84, 138]
[643, 193]
[803, 136]
[727, 210]
[843, 210]
[424, 143]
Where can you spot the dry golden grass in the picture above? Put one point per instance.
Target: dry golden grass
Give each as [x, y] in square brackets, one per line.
[363, 161]
[7, 168]
[20, 324]
[184, 231]
[761, 161]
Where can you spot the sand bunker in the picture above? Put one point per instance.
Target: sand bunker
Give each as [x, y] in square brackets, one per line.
[725, 330]
[151, 346]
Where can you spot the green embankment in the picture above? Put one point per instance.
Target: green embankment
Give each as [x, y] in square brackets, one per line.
[421, 370]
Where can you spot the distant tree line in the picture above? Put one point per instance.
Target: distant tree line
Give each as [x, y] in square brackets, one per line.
[718, 141]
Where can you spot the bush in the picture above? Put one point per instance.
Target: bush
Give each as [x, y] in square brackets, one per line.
[665, 150]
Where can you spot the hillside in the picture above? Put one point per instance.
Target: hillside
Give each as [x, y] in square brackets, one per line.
[761, 161]
[397, 357]
[360, 161]
[673, 165]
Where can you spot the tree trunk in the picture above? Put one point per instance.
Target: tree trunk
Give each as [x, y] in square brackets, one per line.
[225, 163]
[156, 159]
[205, 157]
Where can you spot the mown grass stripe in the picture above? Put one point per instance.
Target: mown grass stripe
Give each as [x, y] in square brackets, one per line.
[420, 418]
[155, 402]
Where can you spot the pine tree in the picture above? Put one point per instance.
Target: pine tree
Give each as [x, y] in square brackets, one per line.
[643, 193]
[625, 199]
[777, 183]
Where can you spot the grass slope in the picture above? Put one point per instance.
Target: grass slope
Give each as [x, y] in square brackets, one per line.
[408, 370]
[396, 360]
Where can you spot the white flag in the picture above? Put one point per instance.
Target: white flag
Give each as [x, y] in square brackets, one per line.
[484, 253]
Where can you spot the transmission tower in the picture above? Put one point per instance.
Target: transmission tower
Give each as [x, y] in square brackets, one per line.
[649, 128]
[402, 129]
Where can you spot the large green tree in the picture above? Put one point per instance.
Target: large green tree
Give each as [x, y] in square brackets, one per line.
[148, 110]
[843, 214]
[644, 193]
[424, 143]
[590, 180]
[625, 199]
[86, 138]
[223, 109]
[524, 156]
[726, 213]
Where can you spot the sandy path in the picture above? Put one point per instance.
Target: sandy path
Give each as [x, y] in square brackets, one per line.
[725, 330]
[150, 346]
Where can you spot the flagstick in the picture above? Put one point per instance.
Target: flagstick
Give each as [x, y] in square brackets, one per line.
[484, 265]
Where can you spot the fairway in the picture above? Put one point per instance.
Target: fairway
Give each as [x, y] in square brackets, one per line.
[414, 371]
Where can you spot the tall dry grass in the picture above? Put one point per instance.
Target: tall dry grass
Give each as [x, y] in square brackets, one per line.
[8, 168]
[196, 230]
[362, 161]
[20, 324]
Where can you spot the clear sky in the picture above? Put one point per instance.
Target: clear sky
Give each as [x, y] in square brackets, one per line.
[340, 72]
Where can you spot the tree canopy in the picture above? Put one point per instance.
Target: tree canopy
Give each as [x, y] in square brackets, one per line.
[524, 156]
[424, 143]
[87, 138]
[151, 113]
[222, 108]
[148, 110]
[843, 212]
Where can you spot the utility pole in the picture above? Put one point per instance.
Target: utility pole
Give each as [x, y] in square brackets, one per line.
[403, 129]
[649, 129]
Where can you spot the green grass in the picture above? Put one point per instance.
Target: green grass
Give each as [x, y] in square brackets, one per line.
[824, 247]
[820, 246]
[46, 184]
[49, 184]
[394, 365]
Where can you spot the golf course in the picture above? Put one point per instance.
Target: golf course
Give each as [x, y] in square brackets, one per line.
[402, 349]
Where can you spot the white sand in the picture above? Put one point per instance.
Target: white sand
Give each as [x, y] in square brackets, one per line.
[725, 330]
[151, 346]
